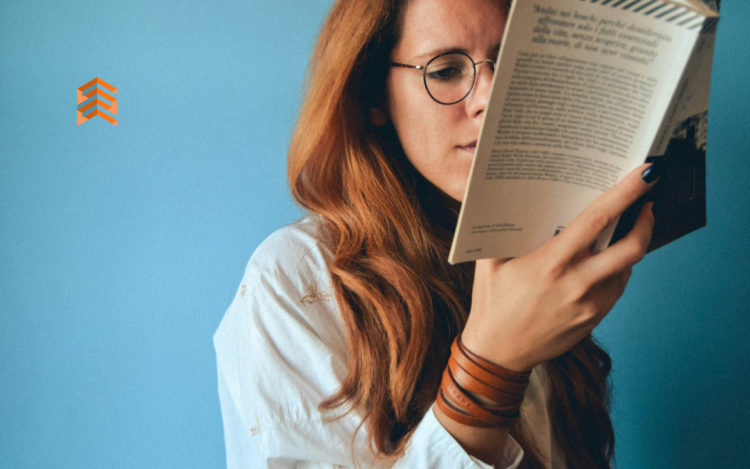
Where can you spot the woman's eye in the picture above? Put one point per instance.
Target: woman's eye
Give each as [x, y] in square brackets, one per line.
[446, 73]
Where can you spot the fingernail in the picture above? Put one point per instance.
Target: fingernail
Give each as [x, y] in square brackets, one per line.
[652, 173]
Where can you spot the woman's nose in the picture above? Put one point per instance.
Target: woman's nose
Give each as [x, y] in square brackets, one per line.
[480, 94]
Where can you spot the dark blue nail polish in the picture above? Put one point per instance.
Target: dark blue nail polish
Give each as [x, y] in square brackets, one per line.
[652, 172]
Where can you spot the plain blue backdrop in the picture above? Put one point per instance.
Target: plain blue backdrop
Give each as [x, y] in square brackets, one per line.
[122, 246]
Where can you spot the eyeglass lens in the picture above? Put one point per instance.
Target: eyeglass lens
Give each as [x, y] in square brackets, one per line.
[449, 77]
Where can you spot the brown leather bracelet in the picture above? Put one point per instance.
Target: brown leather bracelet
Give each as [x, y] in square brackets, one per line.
[455, 414]
[469, 373]
[471, 383]
[515, 376]
[486, 414]
[474, 369]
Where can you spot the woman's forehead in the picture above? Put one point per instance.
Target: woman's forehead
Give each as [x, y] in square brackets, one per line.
[430, 27]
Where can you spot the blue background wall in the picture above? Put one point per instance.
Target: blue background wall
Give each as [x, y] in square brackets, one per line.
[121, 247]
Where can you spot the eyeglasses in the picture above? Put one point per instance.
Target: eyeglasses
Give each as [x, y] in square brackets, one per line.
[449, 77]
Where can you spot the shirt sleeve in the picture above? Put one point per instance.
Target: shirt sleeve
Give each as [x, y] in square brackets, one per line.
[281, 350]
[432, 446]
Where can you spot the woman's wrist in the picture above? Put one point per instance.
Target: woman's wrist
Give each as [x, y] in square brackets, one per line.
[493, 352]
[483, 440]
[477, 393]
[477, 397]
[486, 444]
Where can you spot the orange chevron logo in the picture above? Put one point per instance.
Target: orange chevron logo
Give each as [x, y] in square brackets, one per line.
[97, 98]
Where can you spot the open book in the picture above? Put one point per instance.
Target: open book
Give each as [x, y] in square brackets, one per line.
[584, 92]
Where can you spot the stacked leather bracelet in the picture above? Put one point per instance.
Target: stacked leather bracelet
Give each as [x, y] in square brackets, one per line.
[469, 372]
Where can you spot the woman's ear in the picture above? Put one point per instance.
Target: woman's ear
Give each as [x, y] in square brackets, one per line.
[378, 117]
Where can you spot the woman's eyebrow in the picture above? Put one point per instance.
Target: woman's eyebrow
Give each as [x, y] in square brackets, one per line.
[440, 50]
[444, 50]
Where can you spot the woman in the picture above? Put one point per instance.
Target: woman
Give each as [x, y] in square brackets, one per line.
[338, 342]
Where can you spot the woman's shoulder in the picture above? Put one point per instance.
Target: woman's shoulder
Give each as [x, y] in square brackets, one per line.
[293, 262]
[289, 269]
[291, 246]
[281, 346]
[285, 301]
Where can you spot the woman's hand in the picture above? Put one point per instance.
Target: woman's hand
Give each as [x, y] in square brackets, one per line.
[530, 309]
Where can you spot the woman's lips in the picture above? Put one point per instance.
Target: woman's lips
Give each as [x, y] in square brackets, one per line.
[470, 147]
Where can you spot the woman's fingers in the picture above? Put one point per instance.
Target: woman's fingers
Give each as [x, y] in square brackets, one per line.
[603, 211]
[623, 254]
[535, 307]
[602, 298]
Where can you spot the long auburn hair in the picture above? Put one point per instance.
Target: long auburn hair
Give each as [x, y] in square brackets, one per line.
[390, 231]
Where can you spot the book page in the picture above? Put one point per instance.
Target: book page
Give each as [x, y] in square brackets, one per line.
[580, 92]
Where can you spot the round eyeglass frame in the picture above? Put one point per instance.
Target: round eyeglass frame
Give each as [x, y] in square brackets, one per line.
[424, 73]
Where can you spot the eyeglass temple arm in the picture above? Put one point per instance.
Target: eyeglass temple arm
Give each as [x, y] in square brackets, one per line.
[486, 60]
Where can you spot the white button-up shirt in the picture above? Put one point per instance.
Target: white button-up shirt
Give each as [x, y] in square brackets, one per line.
[281, 350]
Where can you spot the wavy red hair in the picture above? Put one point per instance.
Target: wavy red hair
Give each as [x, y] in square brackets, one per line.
[390, 230]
